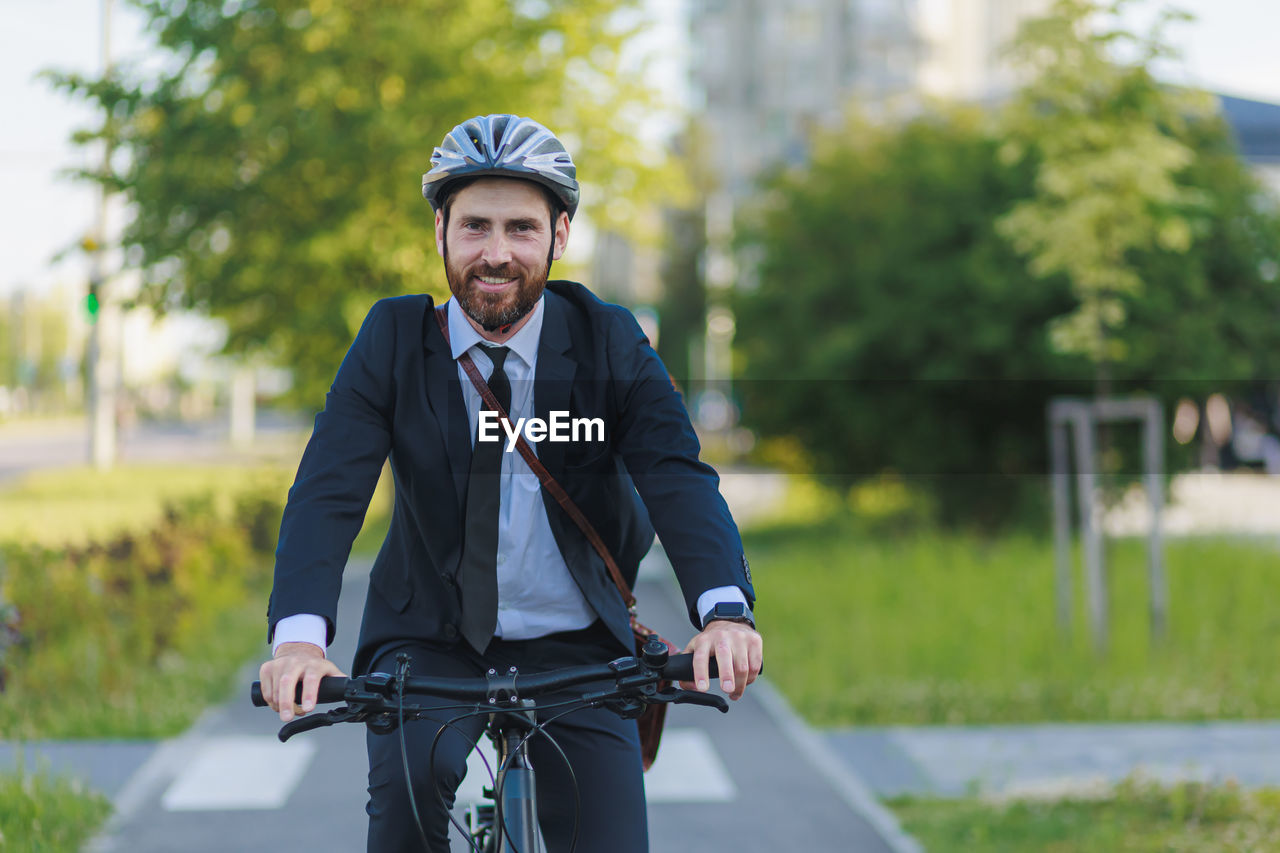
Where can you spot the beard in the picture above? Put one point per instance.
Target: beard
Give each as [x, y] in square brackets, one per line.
[492, 311]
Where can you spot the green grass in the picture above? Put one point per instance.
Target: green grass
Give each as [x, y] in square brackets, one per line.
[75, 505]
[42, 814]
[929, 627]
[131, 653]
[148, 702]
[1137, 816]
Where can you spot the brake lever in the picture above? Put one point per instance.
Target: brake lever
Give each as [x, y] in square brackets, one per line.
[304, 724]
[689, 697]
[333, 716]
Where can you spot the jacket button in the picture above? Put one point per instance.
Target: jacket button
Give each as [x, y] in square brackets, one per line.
[449, 581]
[450, 632]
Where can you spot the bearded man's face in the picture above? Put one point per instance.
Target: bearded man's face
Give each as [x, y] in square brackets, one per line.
[498, 248]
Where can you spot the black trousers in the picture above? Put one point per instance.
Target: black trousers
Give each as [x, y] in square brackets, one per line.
[604, 752]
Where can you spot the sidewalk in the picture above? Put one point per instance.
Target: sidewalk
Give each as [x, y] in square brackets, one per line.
[1056, 759]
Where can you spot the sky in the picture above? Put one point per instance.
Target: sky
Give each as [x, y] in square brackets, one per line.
[1229, 49]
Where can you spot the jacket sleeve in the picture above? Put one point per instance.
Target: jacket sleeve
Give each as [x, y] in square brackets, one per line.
[660, 450]
[336, 477]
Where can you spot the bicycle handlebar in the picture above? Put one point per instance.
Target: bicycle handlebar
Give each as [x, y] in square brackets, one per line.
[333, 688]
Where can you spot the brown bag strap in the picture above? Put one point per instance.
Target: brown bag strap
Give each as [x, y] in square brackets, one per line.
[544, 476]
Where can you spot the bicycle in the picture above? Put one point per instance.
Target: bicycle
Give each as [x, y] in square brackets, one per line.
[508, 823]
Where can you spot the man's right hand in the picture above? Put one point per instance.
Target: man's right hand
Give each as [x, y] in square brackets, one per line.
[294, 662]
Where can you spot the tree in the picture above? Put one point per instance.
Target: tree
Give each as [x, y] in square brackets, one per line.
[684, 297]
[895, 330]
[892, 330]
[274, 163]
[1107, 139]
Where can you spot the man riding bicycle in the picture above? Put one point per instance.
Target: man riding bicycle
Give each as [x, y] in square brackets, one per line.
[481, 568]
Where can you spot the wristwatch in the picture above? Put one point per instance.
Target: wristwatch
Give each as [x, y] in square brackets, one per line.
[729, 611]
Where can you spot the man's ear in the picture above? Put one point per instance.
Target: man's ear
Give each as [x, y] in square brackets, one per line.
[440, 231]
[561, 237]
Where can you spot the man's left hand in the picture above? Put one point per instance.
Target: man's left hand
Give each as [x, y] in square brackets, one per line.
[739, 653]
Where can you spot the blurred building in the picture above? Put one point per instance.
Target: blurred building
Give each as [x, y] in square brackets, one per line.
[964, 44]
[766, 74]
[1256, 125]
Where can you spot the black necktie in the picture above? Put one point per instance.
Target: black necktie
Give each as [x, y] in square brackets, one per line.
[478, 571]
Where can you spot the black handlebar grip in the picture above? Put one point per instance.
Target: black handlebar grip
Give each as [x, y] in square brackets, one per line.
[331, 689]
[680, 668]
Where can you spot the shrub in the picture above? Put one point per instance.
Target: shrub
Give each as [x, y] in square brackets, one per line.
[98, 620]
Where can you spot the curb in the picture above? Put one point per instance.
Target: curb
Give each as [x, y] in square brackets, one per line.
[844, 781]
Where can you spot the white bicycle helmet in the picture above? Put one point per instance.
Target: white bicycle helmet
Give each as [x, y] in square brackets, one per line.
[506, 146]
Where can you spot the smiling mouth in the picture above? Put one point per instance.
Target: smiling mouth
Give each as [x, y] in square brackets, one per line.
[488, 282]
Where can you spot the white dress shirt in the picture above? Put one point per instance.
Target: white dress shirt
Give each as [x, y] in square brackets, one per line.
[536, 593]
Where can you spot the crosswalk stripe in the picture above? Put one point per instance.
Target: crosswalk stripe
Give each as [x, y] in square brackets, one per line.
[688, 770]
[229, 773]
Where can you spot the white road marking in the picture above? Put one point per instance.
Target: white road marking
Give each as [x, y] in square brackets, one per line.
[688, 770]
[239, 773]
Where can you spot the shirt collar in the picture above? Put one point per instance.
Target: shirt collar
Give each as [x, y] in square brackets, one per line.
[524, 343]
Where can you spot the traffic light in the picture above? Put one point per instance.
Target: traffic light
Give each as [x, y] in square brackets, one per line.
[92, 304]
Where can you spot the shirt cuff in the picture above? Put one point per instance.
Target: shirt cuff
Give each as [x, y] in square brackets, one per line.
[706, 601]
[301, 628]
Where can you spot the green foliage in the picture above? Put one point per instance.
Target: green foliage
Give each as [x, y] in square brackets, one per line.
[893, 327]
[1206, 319]
[684, 298]
[134, 621]
[918, 626]
[1108, 142]
[1138, 815]
[895, 330]
[275, 160]
[43, 814]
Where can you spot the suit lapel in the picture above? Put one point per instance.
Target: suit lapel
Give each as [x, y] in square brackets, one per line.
[555, 374]
[444, 397]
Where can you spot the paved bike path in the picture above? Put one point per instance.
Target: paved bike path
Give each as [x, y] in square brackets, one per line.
[754, 779]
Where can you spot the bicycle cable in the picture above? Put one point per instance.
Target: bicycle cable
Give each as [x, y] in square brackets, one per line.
[435, 782]
[404, 758]
[569, 706]
[540, 728]
[497, 779]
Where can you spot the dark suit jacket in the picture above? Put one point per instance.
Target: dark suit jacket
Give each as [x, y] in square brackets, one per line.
[398, 392]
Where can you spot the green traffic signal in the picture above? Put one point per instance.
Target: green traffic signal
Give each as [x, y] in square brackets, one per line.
[92, 306]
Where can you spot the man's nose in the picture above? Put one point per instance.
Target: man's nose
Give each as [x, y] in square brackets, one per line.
[497, 250]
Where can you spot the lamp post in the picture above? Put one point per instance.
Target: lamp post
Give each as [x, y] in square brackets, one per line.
[715, 406]
[103, 313]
